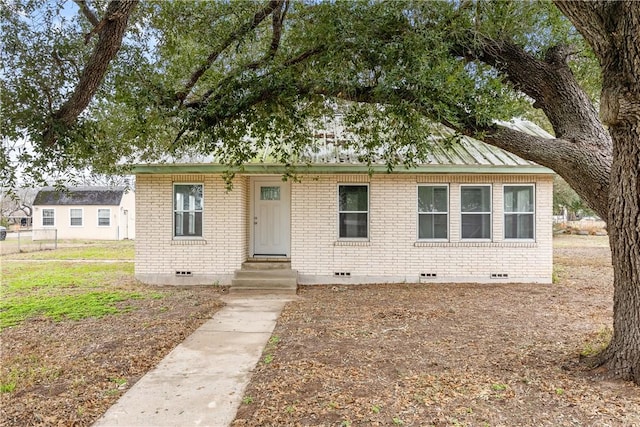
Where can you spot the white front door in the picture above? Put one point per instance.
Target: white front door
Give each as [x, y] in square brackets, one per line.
[271, 218]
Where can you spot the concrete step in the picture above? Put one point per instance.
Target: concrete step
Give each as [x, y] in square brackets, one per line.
[253, 291]
[264, 283]
[266, 264]
[267, 274]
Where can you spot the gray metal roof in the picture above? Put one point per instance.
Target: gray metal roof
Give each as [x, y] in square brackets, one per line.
[103, 196]
[333, 145]
[329, 148]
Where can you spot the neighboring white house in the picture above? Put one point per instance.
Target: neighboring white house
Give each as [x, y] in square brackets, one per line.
[96, 213]
[475, 213]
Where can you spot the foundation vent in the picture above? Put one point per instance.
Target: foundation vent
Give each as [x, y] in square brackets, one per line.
[428, 275]
[499, 275]
[342, 273]
[183, 273]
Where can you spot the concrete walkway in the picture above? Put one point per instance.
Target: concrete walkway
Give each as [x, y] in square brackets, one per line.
[202, 381]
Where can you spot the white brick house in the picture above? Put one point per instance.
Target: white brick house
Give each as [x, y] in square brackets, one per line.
[475, 214]
[99, 213]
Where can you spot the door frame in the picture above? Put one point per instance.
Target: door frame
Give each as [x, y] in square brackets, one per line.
[285, 190]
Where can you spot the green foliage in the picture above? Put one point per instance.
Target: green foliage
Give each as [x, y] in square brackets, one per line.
[390, 67]
[564, 197]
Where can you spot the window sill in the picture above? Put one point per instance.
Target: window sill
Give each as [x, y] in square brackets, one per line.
[478, 244]
[352, 243]
[188, 241]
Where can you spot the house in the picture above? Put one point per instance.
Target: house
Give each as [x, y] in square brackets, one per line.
[96, 213]
[474, 213]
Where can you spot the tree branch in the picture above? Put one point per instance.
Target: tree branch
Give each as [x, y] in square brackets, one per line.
[590, 19]
[252, 66]
[241, 31]
[564, 157]
[550, 83]
[276, 24]
[87, 12]
[109, 42]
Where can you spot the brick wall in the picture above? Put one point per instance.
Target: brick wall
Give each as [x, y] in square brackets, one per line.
[391, 254]
[210, 259]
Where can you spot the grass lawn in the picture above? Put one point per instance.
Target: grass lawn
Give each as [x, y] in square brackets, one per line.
[73, 250]
[77, 330]
[67, 289]
[63, 290]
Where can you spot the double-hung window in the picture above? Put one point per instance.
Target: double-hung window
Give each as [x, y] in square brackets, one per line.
[48, 217]
[519, 211]
[187, 210]
[475, 201]
[433, 212]
[353, 211]
[75, 217]
[104, 217]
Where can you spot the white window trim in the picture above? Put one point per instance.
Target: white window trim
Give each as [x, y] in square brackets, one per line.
[54, 217]
[448, 212]
[490, 238]
[81, 217]
[173, 212]
[368, 212]
[505, 213]
[98, 217]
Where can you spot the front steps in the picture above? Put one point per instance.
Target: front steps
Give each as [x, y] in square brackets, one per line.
[272, 276]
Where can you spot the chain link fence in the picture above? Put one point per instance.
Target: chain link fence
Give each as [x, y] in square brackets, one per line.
[29, 241]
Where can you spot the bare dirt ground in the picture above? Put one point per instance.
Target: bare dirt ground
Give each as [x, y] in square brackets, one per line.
[412, 355]
[71, 372]
[447, 355]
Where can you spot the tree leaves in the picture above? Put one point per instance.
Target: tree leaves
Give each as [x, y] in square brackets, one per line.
[221, 73]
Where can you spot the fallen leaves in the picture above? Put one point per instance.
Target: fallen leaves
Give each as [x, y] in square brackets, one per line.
[69, 373]
[445, 355]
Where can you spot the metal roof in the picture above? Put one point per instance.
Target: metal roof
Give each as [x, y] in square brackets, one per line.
[103, 196]
[446, 148]
[330, 147]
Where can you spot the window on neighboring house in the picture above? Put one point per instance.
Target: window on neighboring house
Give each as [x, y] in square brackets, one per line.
[433, 212]
[475, 203]
[104, 217]
[353, 215]
[519, 211]
[75, 217]
[48, 217]
[187, 210]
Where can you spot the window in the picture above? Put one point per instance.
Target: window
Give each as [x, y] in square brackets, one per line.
[433, 212]
[187, 210]
[353, 216]
[270, 193]
[519, 211]
[104, 217]
[475, 203]
[75, 217]
[48, 217]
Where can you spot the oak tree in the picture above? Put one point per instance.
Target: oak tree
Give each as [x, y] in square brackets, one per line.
[110, 83]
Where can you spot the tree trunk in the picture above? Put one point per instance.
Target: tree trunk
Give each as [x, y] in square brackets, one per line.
[612, 28]
[622, 356]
